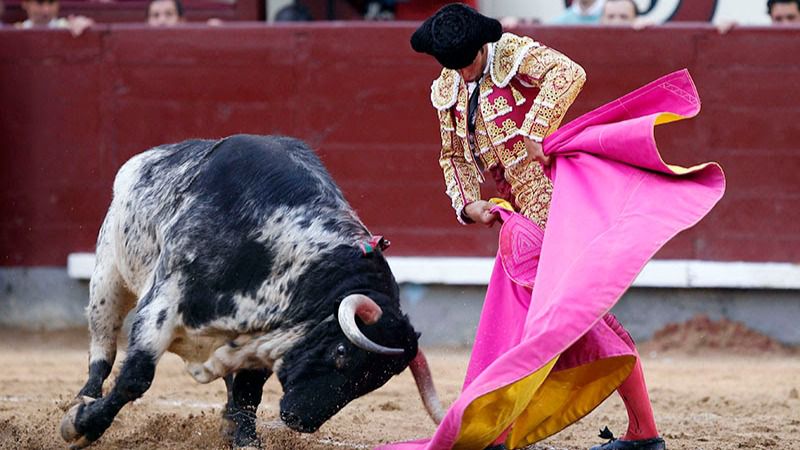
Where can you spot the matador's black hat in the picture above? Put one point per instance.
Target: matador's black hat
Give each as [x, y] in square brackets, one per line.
[455, 34]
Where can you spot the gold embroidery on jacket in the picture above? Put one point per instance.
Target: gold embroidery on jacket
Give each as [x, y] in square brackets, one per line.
[518, 97]
[462, 180]
[531, 188]
[558, 79]
[509, 52]
[502, 133]
[492, 110]
[461, 118]
[443, 89]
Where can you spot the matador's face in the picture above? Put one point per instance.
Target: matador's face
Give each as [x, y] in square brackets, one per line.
[473, 71]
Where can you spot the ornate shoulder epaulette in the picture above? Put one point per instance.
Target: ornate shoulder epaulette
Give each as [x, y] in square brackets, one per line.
[444, 90]
[509, 52]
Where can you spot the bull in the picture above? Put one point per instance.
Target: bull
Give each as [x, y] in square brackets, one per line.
[243, 257]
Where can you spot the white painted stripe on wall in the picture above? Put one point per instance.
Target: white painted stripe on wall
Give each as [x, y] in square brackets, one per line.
[80, 265]
[657, 273]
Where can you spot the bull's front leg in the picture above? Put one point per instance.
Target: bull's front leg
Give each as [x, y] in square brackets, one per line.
[151, 334]
[225, 359]
[254, 350]
[245, 389]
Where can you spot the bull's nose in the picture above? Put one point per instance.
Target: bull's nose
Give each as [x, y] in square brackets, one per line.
[294, 422]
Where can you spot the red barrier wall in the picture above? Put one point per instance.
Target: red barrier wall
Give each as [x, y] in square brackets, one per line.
[74, 109]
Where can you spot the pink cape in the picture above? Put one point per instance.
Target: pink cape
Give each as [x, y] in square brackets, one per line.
[615, 203]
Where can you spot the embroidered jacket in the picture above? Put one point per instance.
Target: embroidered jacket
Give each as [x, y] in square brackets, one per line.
[527, 91]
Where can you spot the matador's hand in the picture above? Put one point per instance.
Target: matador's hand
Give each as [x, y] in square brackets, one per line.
[479, 211]
[535, 151]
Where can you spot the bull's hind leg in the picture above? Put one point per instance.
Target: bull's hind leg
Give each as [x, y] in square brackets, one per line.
[245, 388]
[151, 334]
[109, 303]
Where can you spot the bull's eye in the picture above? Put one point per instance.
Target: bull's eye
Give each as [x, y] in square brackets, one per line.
[340, 357]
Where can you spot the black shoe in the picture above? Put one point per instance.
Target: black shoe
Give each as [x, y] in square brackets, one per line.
[655, 443]
[497, 447]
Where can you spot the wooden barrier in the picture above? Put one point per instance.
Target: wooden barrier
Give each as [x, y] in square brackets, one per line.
[74, 109]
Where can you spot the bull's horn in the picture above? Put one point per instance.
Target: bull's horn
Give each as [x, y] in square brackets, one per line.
[369, 312]
[422, 375]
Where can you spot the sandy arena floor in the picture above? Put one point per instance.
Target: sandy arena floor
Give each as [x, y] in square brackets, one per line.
[702, 401]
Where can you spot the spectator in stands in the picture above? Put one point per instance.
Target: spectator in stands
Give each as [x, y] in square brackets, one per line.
[619, 12]
[623, 12]
[380, 10]
[582, 12]
[513, 22]
[296, 12]
[784, 12]
[165, 13]
[44, 14]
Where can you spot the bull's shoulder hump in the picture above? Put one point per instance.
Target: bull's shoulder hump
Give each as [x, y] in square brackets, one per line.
[285, 152]
[262, 141]
[246, 171]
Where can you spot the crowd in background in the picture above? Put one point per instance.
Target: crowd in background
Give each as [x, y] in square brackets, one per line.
[627, 13]
[45, 14]
[160, 13]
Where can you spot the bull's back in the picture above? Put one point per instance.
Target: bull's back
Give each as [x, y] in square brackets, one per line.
[199, 195]
[249, 175]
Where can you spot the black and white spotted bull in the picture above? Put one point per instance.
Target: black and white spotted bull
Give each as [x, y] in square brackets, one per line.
[243, 257]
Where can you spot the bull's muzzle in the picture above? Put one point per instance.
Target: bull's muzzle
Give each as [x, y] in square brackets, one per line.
[294, 422]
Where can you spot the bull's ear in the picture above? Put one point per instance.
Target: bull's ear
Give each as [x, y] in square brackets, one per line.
[380, 242]
[374, 242]
[366, 248]
[419, 335]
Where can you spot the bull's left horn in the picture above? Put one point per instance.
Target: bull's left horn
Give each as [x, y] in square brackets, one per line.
[369, 312]
[422, 376]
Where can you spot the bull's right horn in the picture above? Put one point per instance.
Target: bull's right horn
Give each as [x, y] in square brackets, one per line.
[369, 312]
[422, 375]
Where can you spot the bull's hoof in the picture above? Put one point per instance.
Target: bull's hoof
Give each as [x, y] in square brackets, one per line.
[68, 431]
[254, 444]
[247, 443]
[239, 432]
[228, 428]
